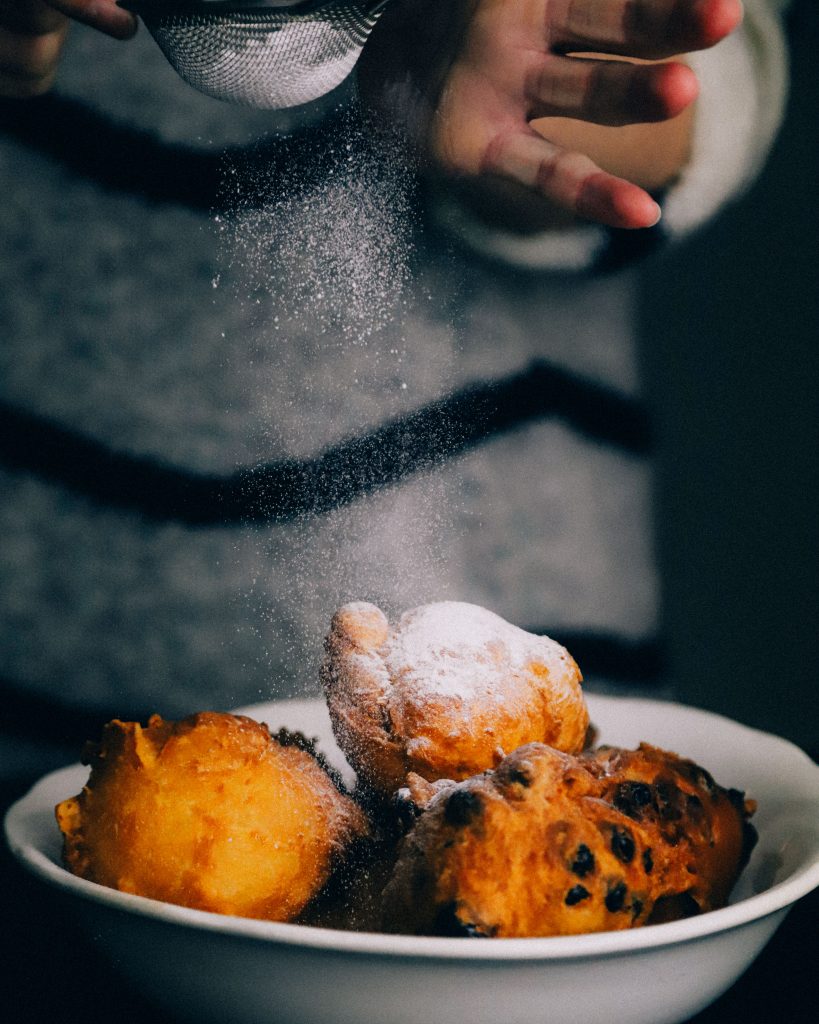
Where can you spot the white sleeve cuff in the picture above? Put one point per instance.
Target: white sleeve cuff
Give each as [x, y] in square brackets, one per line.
[743, 87]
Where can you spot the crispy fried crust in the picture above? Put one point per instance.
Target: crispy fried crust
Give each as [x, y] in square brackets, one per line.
[551, 844]
[445, 693]
[210, 812]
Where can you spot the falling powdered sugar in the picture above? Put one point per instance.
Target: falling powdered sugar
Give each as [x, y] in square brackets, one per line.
[317, 241]
[324, 235]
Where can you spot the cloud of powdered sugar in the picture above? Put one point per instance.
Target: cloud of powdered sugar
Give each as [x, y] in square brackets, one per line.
[317, 240]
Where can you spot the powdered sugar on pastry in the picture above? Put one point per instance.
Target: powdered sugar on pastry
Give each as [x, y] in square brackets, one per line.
[446, 692]
[456, 650]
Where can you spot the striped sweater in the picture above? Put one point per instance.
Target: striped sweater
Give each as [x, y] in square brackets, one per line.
[248, 376]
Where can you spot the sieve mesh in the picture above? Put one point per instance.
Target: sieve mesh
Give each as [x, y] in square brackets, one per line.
[265, 58]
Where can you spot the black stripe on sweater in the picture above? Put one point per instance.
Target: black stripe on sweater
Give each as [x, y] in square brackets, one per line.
[121, 157]
[641, 662]
[36, 716]
[292, 488]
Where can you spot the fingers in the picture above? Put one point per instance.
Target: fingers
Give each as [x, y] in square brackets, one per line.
[650, 29]
[39, 17]
[31, 40]
[609, 92]
[28, 64]
[570, 180]
[104, 15]
[32, 33]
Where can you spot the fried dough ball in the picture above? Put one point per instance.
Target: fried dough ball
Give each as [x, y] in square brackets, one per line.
[209, 812]
[445, 693]
[550, 844]
[704, 830]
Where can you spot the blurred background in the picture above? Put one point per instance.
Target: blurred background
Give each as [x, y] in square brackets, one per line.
[730, 335]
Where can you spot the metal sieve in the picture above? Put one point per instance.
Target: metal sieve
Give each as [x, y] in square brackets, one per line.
[262, 53]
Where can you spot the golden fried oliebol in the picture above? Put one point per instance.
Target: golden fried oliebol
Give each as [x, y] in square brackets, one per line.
[550, 844]
[210, 812]
[445, 693]
[703, 830]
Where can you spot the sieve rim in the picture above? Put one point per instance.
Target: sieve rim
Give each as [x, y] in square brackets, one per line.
[260, 53]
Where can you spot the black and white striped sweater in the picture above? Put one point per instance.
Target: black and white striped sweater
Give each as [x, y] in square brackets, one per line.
[207, 442]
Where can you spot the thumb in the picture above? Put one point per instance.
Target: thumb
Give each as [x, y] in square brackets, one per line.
[104, 15]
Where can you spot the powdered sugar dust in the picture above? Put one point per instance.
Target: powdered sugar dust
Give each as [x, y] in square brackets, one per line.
[317, 246]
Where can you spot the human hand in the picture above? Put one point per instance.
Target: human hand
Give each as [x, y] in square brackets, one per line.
[468, 78]
[32, 33]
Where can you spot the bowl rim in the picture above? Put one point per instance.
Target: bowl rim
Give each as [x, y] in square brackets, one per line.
[774, 899]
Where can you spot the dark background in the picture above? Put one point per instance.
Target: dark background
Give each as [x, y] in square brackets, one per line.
[731, 348]
[730, 332]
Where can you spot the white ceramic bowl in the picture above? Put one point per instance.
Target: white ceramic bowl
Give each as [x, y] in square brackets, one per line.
[212, 968]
